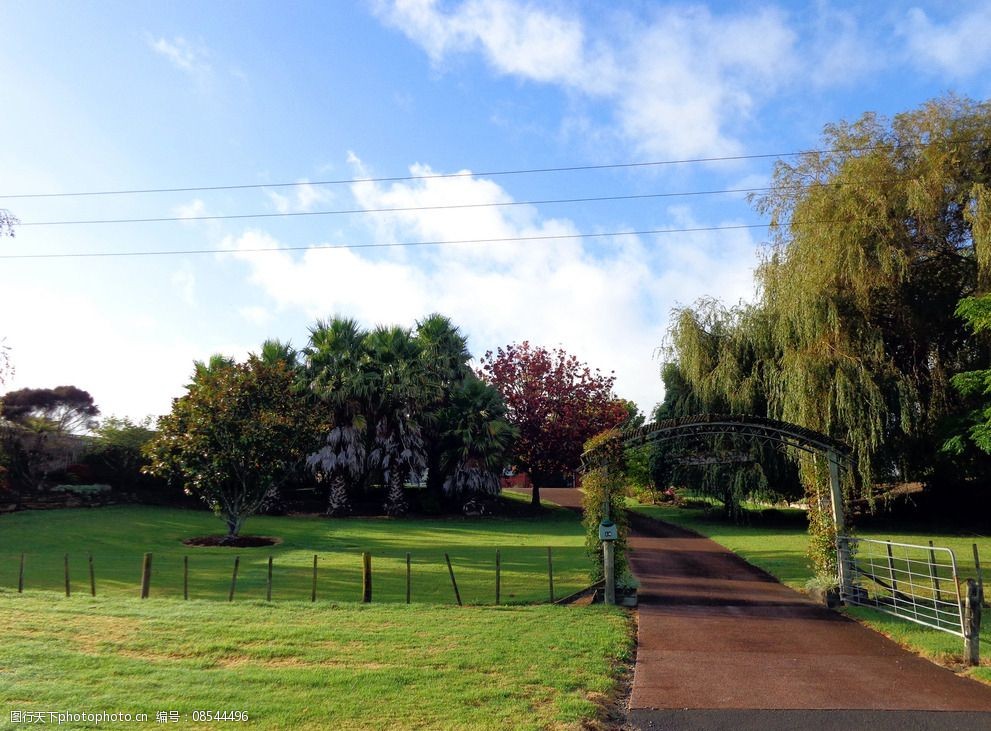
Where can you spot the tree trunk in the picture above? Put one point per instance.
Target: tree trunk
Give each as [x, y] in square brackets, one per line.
[234, 524]
[534, 491]
[395, 503]
[435, 480]
[337, 501]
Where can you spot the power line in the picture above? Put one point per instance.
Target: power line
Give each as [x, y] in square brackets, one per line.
[389, 244]
[403, 209]
[445, 206]
[433, 176]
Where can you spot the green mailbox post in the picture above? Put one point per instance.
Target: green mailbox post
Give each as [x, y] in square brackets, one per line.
[608, 533]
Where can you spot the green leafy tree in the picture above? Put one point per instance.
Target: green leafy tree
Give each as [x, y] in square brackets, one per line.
[237, 434]
[335, 370]
[400, 387]
[445, 356]
[476, 439]
[401, 404]
[373, 384]
[62, 410]
[974, 385]
[117, 451]
[875, 239]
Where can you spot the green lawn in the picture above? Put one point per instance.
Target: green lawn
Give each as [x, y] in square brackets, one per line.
[297, 665]
[117, 537]
[776, 541]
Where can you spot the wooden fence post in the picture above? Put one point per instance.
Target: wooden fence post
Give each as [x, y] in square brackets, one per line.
[454, 583]
[409, 579]
[268, 585]
[92, 577]
[230, 596]
[972, 623]
[20, 577]
[498, 575]
[366, 577]
[550, 573]
[68, 590]
[185, 577]
[146, 576]
[313, 591]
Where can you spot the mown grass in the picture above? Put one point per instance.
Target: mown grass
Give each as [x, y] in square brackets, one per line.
[295, 665]
[776, 541]
[117, 537]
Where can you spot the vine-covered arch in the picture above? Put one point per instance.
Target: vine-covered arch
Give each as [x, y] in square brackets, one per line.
[779, 434]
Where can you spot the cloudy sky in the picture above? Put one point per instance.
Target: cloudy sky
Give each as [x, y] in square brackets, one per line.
[433, 108]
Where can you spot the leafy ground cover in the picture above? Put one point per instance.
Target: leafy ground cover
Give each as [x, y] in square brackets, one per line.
[310, 666]
[117, 537]
[776, 541]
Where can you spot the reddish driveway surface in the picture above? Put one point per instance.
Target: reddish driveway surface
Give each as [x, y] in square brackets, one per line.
[717, 633]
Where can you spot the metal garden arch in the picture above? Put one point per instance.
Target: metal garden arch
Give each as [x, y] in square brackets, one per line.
[778, 434]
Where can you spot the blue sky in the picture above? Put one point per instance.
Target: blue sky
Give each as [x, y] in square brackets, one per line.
[116, 96]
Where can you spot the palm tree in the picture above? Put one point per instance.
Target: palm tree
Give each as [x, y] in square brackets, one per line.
[217, 362]
[476, 439]
[401, 387]
[445, 356]
[275, 351]
[335, 368]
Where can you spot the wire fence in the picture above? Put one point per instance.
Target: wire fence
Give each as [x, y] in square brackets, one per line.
[917, 583]
[446, 574]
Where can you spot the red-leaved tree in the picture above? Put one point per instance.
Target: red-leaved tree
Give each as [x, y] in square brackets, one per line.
[555, 401]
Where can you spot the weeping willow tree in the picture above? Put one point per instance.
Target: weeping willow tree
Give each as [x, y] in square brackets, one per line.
[875, 238]
[719, 359]
[874, 243]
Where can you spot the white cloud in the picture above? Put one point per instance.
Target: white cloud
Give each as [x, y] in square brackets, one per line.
[194, 209]
[679, 84]
[607, 302]
[515, 39]
[840, 52]
[183, 55]
[304, 198]
[960, 47]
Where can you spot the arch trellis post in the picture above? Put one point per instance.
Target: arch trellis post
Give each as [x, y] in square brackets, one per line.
[778, 434]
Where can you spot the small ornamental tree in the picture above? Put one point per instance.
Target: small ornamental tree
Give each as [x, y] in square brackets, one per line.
[236, 435]
[555, 402]
[116, 455]
[63, 409]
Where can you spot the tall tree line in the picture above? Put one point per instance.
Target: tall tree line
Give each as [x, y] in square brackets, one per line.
[875, 240]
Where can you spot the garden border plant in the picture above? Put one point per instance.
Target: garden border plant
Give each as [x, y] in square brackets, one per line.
[604, 483]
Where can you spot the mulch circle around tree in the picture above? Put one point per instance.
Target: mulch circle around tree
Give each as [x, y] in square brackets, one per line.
[239, 542]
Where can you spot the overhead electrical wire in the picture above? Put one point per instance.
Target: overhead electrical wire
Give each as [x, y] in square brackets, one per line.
[390, 244]
[402, 209]
[440, 207]
[433, 176]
